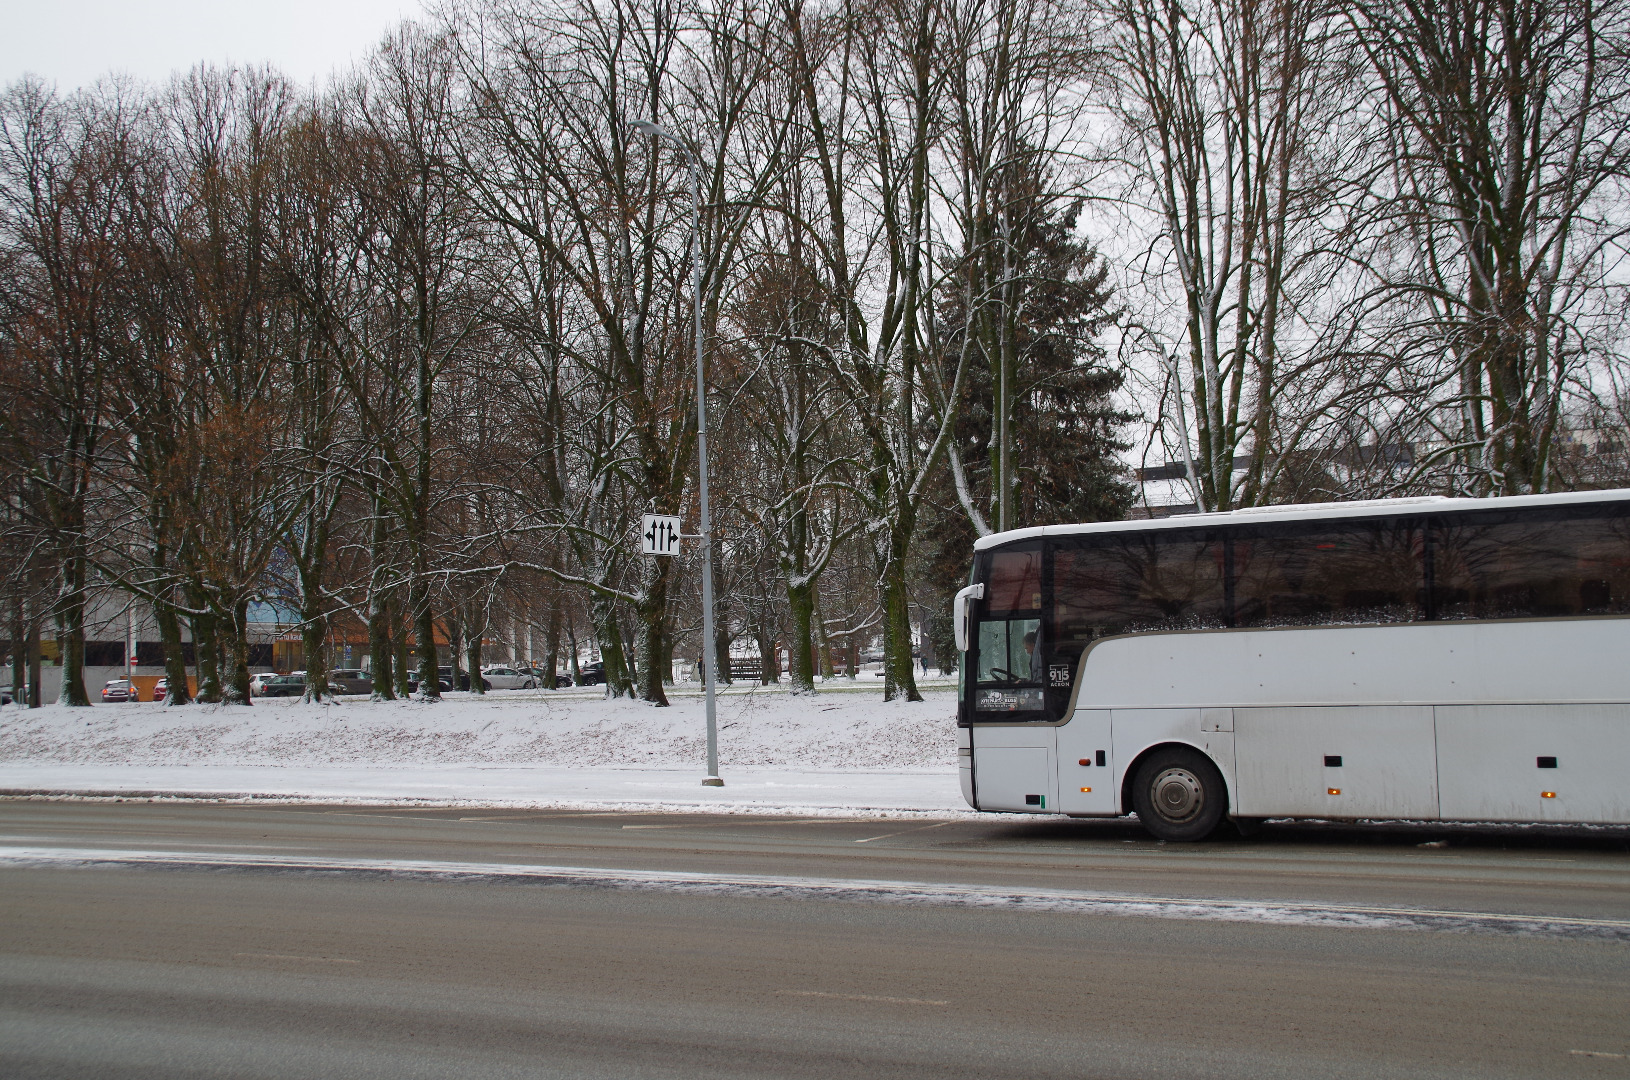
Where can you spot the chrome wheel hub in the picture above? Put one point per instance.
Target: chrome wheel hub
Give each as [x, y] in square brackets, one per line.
[1178, 794]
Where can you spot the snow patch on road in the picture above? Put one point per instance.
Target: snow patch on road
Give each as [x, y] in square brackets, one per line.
[789, 887]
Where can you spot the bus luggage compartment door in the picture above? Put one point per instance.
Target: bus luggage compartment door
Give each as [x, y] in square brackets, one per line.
[1013, 769]
[1556, 762]
[1086, 765]
[1345, 761]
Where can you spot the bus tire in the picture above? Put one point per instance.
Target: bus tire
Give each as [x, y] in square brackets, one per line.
[1179, 795]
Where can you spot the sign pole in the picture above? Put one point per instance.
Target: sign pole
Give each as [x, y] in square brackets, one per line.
[646, 127]
[712, 779]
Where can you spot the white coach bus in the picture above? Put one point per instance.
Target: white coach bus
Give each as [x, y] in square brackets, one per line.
[1451, 659]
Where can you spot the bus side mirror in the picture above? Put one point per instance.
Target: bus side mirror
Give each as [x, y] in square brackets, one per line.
[960, 610]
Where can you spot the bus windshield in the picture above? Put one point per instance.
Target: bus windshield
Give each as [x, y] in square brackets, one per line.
[1008, 679]
[1009, 669]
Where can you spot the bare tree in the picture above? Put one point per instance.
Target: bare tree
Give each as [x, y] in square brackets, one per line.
[872, 84]
[66, 169]
[1508, 138]
[1230, 126]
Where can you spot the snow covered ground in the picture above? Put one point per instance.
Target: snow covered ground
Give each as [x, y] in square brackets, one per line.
[843, 750]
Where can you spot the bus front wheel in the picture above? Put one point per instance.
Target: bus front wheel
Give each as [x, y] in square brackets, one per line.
[1179, 795]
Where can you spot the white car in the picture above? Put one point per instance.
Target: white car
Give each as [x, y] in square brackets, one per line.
[258, 681]
[507, 678]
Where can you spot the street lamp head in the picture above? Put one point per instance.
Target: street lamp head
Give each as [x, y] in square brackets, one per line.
[646, 127]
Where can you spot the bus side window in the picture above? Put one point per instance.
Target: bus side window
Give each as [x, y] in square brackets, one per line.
[1353, 572]
[1121, 585]
[1527, 564]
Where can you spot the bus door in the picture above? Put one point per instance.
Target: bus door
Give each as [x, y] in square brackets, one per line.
[1008, 657]
[1086, 765]
[1013, 745]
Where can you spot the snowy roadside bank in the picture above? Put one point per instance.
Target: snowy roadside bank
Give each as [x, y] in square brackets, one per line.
[831, 753]
[805, 792]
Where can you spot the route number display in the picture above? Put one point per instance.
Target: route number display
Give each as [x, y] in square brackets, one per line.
[659, 534]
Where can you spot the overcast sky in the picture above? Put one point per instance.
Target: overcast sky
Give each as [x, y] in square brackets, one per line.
[73, 42]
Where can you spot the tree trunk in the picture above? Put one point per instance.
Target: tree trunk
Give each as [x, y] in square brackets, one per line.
[551, 645]
[380, 666]
[34, 663]
[899, 678]
[236, 688]
[619, 681]
[429, 677]
[769, 661]
[424, 627]
[652, 614]
[455, 649]
[313, 639]
[70, 618]
[380, 651]
[801, 645]
[721, 655]
[824, 643]
[571, 657]
[472, 656]
[205, 652]
[176, 691]
[401, 631]
[19, 654]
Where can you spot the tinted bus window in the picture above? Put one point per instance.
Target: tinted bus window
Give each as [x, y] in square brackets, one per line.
[1122, 584]
[1353, 572]
[1527, 564]
[1015, 582]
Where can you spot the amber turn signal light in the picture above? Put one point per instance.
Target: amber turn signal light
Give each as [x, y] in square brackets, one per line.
[1332, 791]
[1085, 790]
[1547, 794]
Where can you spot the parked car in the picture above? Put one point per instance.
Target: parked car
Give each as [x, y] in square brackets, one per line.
[350, 681]
[285, 686]
[543, 678]
[121, 690]
[592, 674]
[161, 689]
[499, 677]
[258, 681]
[446, 673]
[444, 680]
[560, 680]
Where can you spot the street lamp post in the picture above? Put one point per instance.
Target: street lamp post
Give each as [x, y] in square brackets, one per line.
[657, 131]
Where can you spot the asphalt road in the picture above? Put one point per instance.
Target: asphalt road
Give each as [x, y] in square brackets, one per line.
[186, 941]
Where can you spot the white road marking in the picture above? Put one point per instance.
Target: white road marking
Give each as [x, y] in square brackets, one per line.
[306, 959]
[788, 887]
[902, 832]
[739, 824]
[862, 997]
[1596, 1054]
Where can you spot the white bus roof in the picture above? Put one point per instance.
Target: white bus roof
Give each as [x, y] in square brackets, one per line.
[1331, 511]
